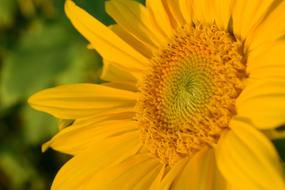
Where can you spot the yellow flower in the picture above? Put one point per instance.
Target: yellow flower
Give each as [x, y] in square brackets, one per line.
[193, 87]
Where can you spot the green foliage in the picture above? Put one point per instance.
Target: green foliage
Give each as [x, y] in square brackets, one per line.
[36, 60]
[7, 12]
[38, 126]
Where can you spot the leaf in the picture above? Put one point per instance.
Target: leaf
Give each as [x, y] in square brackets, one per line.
[38, 126]
[35, 62]
[7, 12]
[17, 170]
[85, 66]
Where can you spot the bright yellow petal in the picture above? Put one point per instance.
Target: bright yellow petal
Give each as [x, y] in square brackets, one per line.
[186, 10]
[200, 173]
[107, 43]
[140, 46]
[248, 160]
[173, 8]
[219, 182]
[118, 78]
[125, 175]
[160, 16]
[134, 18]
[147, 180]
[263, 103]
[84, 133]
[203, 11]
[111, 72]
[165, 181]
[267, 62]
[157, 180]
[75, 174]
[222, 12]
[268, 72]
[248, 14]
[129, 86]
[82, 100]
[271, 29]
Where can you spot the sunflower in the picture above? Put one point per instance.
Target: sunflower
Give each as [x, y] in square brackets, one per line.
[191, 88]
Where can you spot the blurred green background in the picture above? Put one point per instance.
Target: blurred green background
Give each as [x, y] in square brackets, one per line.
[38, 49]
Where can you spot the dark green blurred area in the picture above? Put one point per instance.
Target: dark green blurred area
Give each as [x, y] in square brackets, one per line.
[39, 49]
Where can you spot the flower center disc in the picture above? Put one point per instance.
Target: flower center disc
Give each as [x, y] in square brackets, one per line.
[188, 96]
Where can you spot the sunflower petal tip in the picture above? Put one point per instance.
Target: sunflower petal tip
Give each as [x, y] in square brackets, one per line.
[90, 46]
[69, 4]
[32, 100]
[45, 146]
[37, 100]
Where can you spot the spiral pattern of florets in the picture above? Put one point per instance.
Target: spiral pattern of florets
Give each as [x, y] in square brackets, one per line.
[188, 96]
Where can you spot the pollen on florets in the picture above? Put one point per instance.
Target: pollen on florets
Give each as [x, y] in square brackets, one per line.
[188, 96]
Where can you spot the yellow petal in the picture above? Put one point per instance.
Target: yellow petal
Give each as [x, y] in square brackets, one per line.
[63, 123]
[263, 102]
[82, 100]
[160, 16]
[108, 44]
[268, 72]
[248, 14]
[118, 78]
[138, 45]
[267, 62]
[111, 72]
[165, 181]
[134, 18]
[76, 173]
[200, 173]
[186, 10]
[271, 29]
[129, 86]
[248, 160]
[125, 175]
[86, 132]
[275, 134]
[157, 180]
[222, 12]
[203, 11]
[173, 8]
[147, 180]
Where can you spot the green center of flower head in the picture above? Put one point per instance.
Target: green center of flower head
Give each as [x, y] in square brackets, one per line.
[188, 96]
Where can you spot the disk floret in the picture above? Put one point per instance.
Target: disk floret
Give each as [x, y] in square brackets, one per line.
[188, 96]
